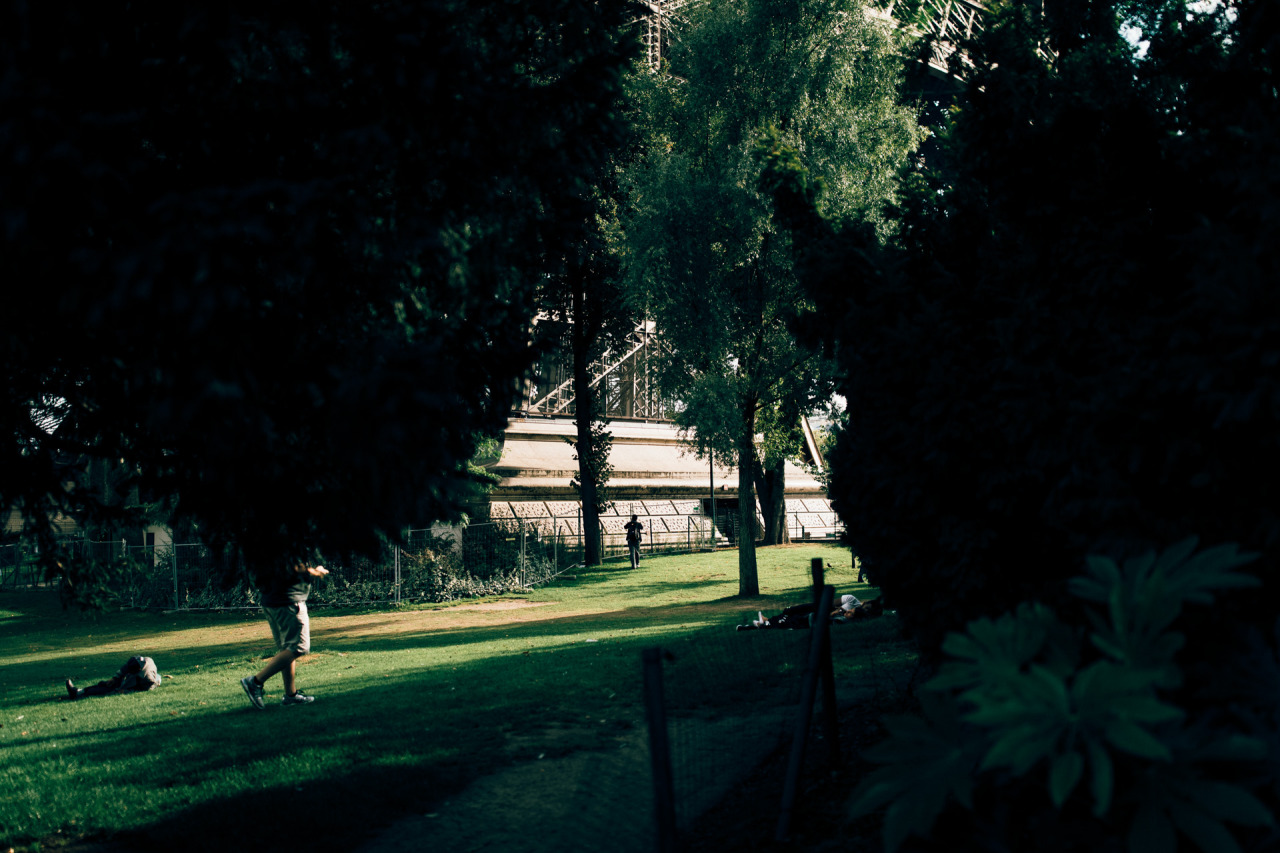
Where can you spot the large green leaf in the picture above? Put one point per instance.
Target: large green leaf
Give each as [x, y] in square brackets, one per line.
[1208, 833]
[1064, 774]
[1231, 803]
[1136, 740]
[1102, 777]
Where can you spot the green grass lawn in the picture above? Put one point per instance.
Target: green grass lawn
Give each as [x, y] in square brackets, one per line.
[413, 704]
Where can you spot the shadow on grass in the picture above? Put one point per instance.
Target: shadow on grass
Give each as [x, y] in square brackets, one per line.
[372, 750]
[406, 746]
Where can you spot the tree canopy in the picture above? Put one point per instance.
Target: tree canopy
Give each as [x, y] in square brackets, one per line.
[279, 259]
[1069, 345]
[706, 256]
[1063, 440]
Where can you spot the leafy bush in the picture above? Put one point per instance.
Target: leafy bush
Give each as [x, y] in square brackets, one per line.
[491, 559]
[509, 558]
[1033, 718]
[114, 578]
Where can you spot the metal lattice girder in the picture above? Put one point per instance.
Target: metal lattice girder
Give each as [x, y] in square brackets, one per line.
[627, 389]
[657, 20]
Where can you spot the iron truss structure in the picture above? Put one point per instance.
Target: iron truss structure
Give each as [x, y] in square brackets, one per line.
[659, 23]
[947, 23]
[624, 379]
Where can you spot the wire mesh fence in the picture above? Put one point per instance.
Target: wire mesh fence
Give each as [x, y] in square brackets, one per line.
[432, 564]
[440, 563]
[732, 701]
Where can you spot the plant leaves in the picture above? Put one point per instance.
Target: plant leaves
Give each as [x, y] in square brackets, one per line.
[1064, 773]
[1151, 832]
[1231, 803]
[1136, 740]
[1102, 778]
[1208, 834]
[1233, 747]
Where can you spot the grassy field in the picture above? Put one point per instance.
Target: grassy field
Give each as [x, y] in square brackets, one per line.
[413, 704]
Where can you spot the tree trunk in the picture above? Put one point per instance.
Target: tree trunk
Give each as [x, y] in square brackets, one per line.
[584, 408]
[587, 492]
[775, 504]
[771, 488]
[748, 577]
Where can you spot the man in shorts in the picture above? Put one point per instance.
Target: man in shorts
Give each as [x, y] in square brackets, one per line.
[284, 600]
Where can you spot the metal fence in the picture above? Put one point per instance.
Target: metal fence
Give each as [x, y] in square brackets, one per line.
[434, 564]
[678, 533]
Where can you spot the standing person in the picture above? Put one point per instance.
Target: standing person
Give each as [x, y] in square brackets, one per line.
[634, 528]
[284, 600]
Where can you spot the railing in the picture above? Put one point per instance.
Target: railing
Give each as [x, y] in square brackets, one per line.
[682, 533]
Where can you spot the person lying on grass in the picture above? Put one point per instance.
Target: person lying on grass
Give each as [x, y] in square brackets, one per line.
[800, 615]
[138, 673]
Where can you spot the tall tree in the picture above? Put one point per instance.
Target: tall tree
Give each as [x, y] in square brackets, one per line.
[705, 250]
[1068, 348]
[587, 294]
[280, 258]
[1069, 351]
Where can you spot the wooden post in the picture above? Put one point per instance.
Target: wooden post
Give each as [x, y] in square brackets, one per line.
[809, 689]
[815, 566]
[830, 715]
[664, 800]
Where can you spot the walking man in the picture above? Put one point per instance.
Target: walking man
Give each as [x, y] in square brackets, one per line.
[634, 528]
[284, 600]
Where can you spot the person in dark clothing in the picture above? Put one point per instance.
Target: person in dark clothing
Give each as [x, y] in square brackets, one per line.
[634, 531]
[138, 673]
[284, 601]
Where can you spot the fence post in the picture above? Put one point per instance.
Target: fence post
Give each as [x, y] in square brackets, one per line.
[173, 560]
[819, 642]
[395, 579]
[522, 553]
[664, 800]
[830, 717]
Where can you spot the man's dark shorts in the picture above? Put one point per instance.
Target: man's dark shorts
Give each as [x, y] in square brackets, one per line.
[290, 627]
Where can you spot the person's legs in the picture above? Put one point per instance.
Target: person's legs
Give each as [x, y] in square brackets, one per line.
[634, 548]
[102, 688]
[284, 662]
[291, 629]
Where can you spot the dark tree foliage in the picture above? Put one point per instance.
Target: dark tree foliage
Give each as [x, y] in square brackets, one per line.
[279, 258]
[1071, 344]
[586, 292]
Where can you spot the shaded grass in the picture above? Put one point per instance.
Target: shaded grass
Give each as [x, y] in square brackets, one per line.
[413, 703]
